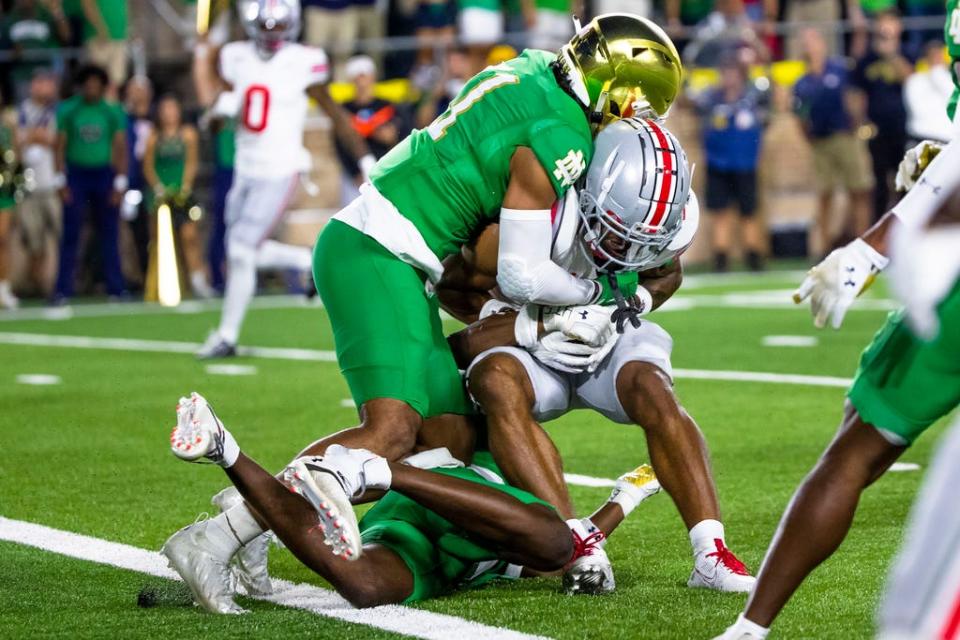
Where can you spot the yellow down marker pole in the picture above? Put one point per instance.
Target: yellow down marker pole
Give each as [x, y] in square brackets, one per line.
[168, 277]
[203, 16]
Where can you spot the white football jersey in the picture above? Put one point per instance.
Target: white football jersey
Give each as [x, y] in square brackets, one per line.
[566, 250]
[273, 105]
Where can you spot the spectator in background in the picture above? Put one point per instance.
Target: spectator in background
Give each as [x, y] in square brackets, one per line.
[825, 11]
[727, 28]
[840, 158]
[8, 162]
[374, 119]
[91, 160]
[224, 151]
[106, 39]
[435, 20]
[918, 38]
[549, 23]
[879, 77]
[642, 8]
[733, 117]
[481, 25]
[138, 101]
[682, 16]
[926, 94]
[170, 168]
[437, 98]
[332, 25]
[39, 213]
[34, 25]
[371, 17]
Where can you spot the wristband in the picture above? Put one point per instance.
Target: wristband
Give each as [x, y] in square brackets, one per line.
[59, 181]
[642, 300]
[120, 182]
[366, 164]
[526, 328]
[877, 259]
[493, 306]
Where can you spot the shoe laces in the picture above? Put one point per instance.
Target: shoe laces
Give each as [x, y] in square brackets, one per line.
[586, 546]
[726, 558]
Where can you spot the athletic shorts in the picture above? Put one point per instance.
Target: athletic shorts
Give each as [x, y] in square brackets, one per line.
[439, 555]
[726, 188]
[387, 329]
[39, 217]
[905, 384]
[255, 207]
[558, 392]
[841, 160]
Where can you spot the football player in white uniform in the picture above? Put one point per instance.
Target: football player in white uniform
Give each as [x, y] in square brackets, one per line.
[265, 84]
[627, 377]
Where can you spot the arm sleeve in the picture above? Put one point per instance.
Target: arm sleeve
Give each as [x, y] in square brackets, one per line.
[317, 66]
[229, 62]
[525, 272]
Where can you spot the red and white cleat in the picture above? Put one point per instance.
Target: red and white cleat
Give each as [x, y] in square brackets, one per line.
[721, 570]
[198, 432]
[590, 571]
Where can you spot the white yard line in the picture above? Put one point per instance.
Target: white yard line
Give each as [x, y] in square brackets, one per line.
[398, 619]
[315, 355]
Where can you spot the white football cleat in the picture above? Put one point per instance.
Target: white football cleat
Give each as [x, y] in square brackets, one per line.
[743, 629]
[326, 491]
[194, 557]
[721, 570]
[198, 433]
[215, 347]
[590, 572]
[249, 564]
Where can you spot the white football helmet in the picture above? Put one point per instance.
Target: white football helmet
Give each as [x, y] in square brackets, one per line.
[270, 23]
[634, 195]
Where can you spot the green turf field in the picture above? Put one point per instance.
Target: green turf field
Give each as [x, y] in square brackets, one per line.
[89, 455]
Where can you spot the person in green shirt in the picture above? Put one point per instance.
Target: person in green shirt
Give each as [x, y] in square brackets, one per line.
[31, 26]
[170, 168]
[225, 148]
[91, 160]
[105, 35]
[8, 163]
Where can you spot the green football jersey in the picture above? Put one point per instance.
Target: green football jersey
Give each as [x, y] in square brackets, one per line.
[951, 35]
[89, 128]
[450, 178]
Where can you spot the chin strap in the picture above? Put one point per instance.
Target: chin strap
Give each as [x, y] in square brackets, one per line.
[625, 311]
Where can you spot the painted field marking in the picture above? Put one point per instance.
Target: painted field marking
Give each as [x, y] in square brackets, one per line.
[398, 619]
[904, 466]
[789, 341]
[38, 379]
[348, 403]
[231, 369]
[314, 355]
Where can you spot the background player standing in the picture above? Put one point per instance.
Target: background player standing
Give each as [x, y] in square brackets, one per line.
[265, 83]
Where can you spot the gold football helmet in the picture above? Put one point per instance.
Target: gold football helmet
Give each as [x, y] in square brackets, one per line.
[621, 65]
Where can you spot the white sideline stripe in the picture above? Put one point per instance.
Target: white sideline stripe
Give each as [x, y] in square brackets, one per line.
[789, 341]
[904, 466]
[760, 376]
[396, 618]
[231, 369]
[276, 353]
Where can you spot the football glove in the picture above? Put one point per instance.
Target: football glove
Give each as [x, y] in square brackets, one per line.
[558, 351]
[589, 324]
[914, 162]
[924, 268]
[833, 284]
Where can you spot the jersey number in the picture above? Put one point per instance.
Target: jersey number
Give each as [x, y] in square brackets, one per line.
[438, 128]
[955, 26]
[256, 107]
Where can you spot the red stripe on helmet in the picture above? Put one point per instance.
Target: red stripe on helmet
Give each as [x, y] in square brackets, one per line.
[665, 185]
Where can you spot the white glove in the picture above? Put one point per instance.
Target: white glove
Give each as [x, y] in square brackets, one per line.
[833, 284]
[924, 268]
[560, 352]
[589, 324]
[227, 105]
[914, 162]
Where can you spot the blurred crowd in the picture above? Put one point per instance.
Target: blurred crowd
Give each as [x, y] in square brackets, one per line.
[90, 148]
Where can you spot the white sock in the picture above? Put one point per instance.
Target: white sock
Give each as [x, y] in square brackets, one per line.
[241, 285]
[231, 450]
[241, 523]
[591, 529]
[223, 540]
[704, 534]
[377, 474]
[277, 255]
[742, 625]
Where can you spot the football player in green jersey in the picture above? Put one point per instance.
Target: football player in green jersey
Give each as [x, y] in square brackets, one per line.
[908, 378]
[440, 526]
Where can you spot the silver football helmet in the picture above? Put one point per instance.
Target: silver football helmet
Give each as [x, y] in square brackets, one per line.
[633, 198]
[270, 23]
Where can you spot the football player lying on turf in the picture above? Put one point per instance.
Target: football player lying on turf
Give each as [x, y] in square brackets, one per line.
[628, 377]
[908, 378]
[435, 530]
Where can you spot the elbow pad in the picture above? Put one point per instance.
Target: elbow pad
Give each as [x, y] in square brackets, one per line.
[515, 279]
